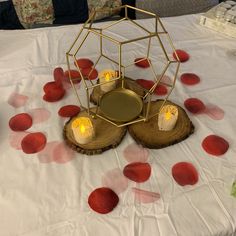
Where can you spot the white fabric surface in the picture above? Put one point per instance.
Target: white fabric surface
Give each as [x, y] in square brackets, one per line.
[51, 199]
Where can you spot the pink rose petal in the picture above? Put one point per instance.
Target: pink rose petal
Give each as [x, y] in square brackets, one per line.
[17, 100]
[15, 139]
[62, 153]
[115, 180]
[144, 196]
[215, 112]
[39, 115]
[136, 153]
[46, 155]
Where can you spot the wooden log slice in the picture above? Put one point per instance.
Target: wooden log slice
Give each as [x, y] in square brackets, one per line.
[148, 134]
[107, 136]
[129, 84]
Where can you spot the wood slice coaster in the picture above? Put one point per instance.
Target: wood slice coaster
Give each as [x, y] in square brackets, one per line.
[129, 84]
[107, 136]
[148, 134]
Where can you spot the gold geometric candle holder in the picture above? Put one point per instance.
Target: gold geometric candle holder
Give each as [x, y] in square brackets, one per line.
[122, 106]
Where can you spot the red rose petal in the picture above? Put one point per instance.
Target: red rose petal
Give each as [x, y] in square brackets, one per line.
[103, 200]
[136, 153]
[51, 86]
[185, 173]
[84, 63]
[137, 171]
[161, 90]
[75, 76]
[144, 196]
[33, 143]
[183, 56]
[17, 100]
[115, 180]
[194, 105]
[58, 75]
[68, 111]
[189, 79]
[15, 139]
[143, 63]
[54, 95]
[89, 73]
[147, 84]
[215, 145]
[20, 122]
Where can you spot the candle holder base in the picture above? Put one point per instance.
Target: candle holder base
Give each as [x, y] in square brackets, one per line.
[148, 134]
[107, 136]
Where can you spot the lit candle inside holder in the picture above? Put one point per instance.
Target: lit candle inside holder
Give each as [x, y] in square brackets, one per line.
[83, 130]
[167, 117]
[107, 76]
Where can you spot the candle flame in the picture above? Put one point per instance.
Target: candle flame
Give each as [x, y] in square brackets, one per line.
[168, 115]
[82, 129]
[107, 77]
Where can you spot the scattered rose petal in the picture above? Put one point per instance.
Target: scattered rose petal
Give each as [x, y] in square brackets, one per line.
[62, 153]
[214, 112]
[103, 200]
[194, 105]
[84, 63]
[136, 153]
[46, 155]
[144, 196]
[183, 56]
[185, 173]
[20, 122]
[90, 73]
[137, 171]
[147, 84]
[115, 180]
[75, 76]
[58, 75]
[39, 115]
[161, 90]
[215, 145]
[68, 111]
[15, 139]
[17, 100]
[33, 143]
[54, 95]
[189, 79]
[144, 63]
[50, 86]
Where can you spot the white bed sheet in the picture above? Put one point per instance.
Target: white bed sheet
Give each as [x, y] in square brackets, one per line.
[38, 199]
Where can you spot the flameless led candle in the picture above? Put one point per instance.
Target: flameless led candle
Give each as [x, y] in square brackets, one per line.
[167, 117]
[106, 76]
[83, 130]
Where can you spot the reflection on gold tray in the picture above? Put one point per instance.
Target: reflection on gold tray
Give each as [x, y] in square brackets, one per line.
[121, 105]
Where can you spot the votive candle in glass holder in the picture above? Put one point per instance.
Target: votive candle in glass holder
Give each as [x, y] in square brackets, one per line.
[105, 76]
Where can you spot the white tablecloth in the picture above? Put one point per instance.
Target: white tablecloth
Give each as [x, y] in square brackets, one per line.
[51, 198]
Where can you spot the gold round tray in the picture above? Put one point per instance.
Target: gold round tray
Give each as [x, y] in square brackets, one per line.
[121, 105]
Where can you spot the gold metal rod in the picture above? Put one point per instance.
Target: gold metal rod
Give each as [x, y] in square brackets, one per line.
[72, 84]
[94, 28]
[88, 100]
[148, 108]
[77, 37]
[161, 24]
[93, 67]
[135, 23]
[110, 59]
[149, 46]
[163, 48]
[114, 23]
[141, 10]
[168, 85]
[172, 45]
[101, 43]
[104, 36]
[81, 44]
[120, 61]
[126, 12]
[106, 82]
[156, 24]
[133, 63]
[141, 38]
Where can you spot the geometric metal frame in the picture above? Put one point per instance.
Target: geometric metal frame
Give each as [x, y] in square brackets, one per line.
[89, 84]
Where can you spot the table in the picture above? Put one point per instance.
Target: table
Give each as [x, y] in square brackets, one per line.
[43, 196]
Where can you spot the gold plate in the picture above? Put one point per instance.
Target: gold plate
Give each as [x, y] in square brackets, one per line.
[121, 105]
